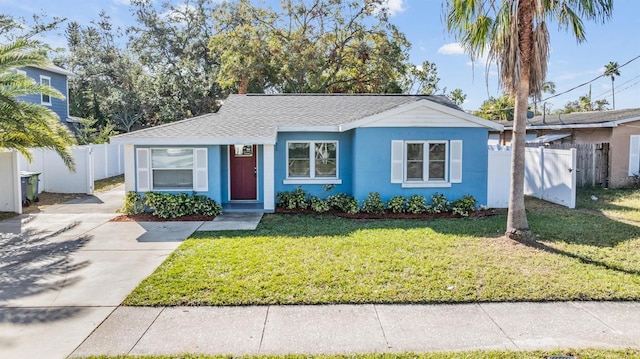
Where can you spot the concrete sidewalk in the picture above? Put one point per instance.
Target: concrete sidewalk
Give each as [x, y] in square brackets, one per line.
[365, 328]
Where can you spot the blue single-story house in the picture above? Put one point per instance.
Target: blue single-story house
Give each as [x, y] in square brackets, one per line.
[258, 145]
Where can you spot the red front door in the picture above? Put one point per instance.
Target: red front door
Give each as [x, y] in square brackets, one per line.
[242, 164]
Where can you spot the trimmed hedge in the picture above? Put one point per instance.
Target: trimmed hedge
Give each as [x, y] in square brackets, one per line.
[373, 204]
[169, 205]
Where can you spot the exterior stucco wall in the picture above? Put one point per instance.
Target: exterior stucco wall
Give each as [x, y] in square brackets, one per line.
[345, 158]
[214, 165]
[619, 154]
[591, 135]
[372, 162]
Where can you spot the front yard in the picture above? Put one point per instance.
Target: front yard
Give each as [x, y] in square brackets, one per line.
[314, 259]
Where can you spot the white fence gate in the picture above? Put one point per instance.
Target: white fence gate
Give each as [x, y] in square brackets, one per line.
[93, 162]
[550, 175]
[54, 175]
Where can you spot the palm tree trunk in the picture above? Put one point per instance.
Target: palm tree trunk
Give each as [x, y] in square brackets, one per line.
[517, 224]
[613, 92]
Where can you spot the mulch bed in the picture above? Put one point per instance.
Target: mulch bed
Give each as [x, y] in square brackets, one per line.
[148, 217]
[387, 214]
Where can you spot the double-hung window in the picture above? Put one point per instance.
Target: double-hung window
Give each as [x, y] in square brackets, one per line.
[45, 81]
[426, 161]
[175, 168]
[312, 161]
[172, 168]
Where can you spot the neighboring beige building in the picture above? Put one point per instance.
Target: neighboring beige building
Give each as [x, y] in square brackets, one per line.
[620, 129]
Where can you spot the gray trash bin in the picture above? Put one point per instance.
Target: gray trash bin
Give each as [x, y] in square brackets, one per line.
[24, 182]
[29, 182]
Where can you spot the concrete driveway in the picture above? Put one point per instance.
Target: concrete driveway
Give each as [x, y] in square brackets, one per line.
[66, 268]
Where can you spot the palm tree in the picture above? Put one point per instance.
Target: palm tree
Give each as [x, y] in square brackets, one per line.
[611, 69]
[547, 87]
[515, 35]
[24, 124]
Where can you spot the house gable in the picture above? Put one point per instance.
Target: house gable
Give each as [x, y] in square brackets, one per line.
[422, 113]
[58, 79]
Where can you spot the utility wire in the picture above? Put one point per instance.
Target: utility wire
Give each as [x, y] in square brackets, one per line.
[569, 90]
[616, 88]
[588, 82]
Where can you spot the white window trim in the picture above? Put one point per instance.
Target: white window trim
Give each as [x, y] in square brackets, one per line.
[312, 179]
[42, 101]
[634, 155]
[21, 72]
[193, 169]
[425, 168]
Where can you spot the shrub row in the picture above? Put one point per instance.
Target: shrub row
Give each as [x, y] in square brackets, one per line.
[168, 205]
[373, 204]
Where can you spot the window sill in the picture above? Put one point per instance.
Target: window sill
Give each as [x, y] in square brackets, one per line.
[426, 185]
[174, 190]
[312, 181]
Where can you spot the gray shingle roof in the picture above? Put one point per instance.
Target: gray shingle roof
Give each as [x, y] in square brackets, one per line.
[580, 118]
[258, 116]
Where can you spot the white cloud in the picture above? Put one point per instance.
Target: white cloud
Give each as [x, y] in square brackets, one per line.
[452, 48]
[122, 2]
[393, 7]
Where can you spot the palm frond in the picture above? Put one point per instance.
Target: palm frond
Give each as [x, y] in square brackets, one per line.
[24, 124]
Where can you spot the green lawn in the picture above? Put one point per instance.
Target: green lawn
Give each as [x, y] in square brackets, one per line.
[615, 203]
[582, 354]
[108, 183]
[308, 259]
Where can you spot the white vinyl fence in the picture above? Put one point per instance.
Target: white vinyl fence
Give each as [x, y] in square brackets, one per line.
[10, 194]
[93, 162]
[550, 174]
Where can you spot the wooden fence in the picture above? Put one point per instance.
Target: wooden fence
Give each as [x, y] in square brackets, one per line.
[592, 168]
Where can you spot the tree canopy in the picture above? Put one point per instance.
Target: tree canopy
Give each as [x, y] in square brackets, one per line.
[181, 61]
[309, 47]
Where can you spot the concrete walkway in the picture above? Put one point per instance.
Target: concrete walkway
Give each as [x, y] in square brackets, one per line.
[365, 328]
[233, 222]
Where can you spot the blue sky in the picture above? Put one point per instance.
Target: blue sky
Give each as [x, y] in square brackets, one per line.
[570, 64]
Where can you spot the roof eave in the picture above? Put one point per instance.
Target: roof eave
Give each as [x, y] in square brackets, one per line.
[308, 128]
[422, 102]
[198, 141]
[567, 127]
